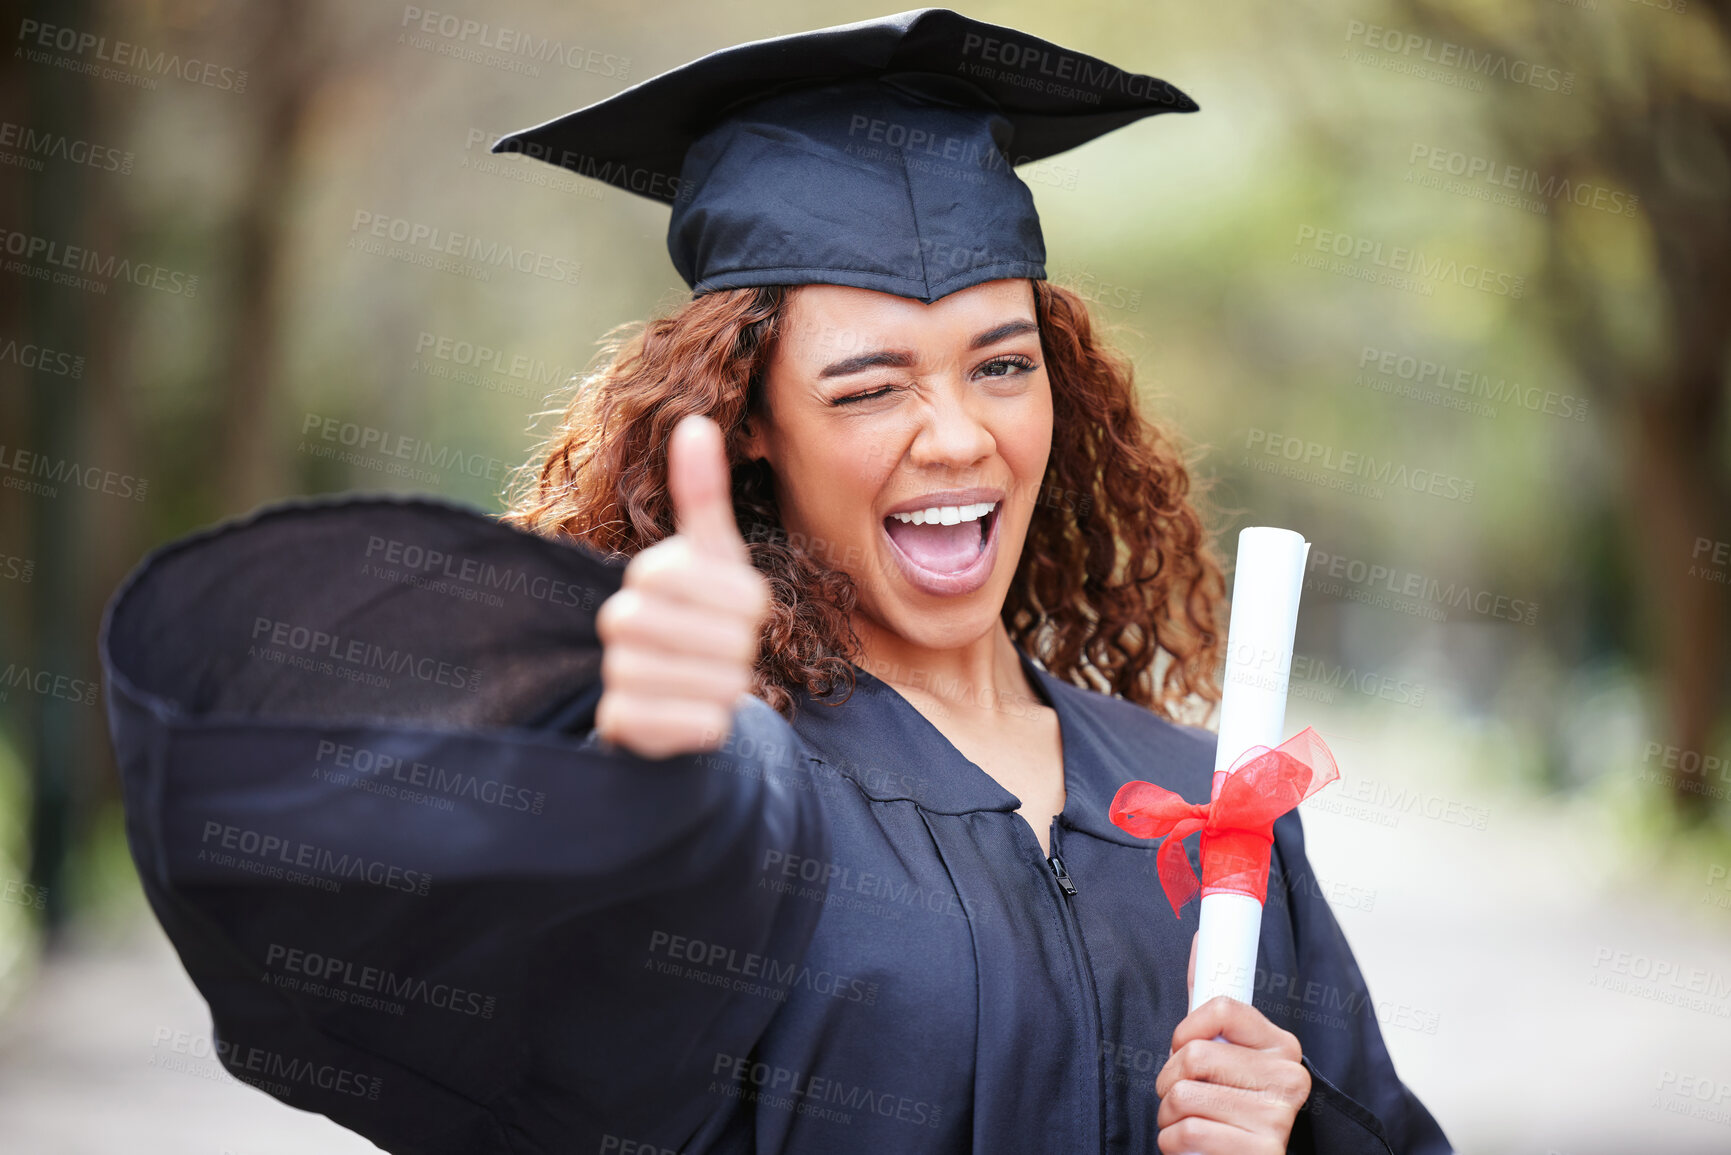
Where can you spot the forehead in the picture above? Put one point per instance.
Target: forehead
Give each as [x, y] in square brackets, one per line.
[824, 322]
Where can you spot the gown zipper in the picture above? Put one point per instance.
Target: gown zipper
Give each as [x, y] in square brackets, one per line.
[1057, 865]
[1084, 974]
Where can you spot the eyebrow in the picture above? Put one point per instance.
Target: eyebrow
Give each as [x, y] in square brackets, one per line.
[901, 359]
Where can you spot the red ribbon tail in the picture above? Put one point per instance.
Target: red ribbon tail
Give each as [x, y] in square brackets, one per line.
[1177, 878]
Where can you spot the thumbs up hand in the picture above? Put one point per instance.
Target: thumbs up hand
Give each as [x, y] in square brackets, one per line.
[680, 638]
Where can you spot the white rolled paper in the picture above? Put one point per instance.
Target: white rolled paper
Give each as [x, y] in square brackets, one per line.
[1267, 582]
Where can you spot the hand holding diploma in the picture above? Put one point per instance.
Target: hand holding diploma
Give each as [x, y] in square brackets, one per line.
[1234, 1083]
[680, 637]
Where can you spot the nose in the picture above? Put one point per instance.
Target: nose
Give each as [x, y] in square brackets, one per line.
[951, 435]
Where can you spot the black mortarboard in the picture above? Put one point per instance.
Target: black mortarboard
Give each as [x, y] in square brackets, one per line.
[875, 154]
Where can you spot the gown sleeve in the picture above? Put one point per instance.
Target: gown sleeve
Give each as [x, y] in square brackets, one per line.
[1358, 1104]
[420, 897]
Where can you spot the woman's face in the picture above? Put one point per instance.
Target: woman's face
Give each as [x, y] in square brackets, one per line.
[879, 405]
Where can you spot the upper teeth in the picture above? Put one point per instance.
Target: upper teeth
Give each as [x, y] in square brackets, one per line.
[947, 514]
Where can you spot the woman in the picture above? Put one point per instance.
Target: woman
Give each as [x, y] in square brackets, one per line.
[829, 868]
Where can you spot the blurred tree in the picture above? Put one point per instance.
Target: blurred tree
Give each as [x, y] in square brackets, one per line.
[289, 60]
[45, 417]
[1655, 119]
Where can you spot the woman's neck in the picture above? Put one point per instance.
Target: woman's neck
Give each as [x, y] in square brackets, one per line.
[985, 673]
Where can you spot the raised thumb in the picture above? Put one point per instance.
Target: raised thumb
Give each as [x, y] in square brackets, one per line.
[700, 485]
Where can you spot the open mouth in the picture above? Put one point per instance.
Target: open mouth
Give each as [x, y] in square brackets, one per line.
[946, 549]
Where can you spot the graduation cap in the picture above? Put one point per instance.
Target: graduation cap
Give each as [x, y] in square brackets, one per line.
[878, 154]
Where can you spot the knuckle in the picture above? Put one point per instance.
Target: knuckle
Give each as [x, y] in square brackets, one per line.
[641, 563]
[758, 596]
[1183, 1137]
[714, 724]
[624, 667]
[618, 610]
[738, 643]
[735, 682]
[673, 566]
[1188, 1060]
[604, 614]
[1185, 1096]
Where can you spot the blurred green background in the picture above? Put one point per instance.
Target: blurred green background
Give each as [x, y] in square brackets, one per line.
[1484, 242]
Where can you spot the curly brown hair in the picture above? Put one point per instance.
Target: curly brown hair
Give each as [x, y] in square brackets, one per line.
[1117, 569]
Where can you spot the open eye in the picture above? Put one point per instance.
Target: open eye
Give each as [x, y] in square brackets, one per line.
[1007, 364]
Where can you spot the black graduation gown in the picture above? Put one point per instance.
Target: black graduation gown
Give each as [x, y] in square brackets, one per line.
[421, 898]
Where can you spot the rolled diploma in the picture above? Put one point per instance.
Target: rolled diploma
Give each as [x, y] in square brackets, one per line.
[1267, 582]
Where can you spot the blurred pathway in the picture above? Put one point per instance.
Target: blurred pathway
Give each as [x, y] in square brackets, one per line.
[100, 1060]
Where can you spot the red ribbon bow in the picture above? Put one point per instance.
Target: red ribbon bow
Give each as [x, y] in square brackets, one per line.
[1237, 827]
